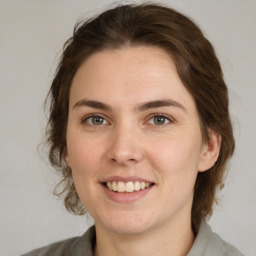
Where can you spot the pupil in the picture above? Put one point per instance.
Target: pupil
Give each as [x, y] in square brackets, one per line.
[97, 120]
[159, 120]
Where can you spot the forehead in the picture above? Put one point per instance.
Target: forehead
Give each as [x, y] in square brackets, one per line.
[138, 73]
[138, 59]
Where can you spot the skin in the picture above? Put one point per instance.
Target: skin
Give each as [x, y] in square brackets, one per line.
[127, 140]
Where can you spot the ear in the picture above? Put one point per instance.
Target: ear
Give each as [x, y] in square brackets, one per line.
[66, 157]
[210, 151]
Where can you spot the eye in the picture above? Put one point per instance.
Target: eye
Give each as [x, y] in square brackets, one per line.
[159, 119]
[95, 120]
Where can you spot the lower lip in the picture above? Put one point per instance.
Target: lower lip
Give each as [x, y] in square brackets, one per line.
[126, 197]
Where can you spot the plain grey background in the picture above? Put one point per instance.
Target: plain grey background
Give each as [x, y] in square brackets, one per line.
[32, 34]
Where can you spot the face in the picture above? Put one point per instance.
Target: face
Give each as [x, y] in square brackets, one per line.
[133, 140]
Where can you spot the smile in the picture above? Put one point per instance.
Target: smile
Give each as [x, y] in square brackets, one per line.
[126, 187]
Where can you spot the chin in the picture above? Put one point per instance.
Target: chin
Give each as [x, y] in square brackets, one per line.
[128, 223]
[126, 229]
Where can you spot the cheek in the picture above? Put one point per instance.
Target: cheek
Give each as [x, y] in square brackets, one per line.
[177, 152]
[83, 155]
[177, 160]
[85, 159]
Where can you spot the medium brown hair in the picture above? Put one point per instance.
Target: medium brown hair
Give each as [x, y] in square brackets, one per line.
[148, 24]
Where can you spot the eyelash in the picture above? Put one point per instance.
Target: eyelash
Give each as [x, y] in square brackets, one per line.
[91, 116]
[86, 118]
[166, 118]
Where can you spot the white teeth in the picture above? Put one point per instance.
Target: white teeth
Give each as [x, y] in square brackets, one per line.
[114, 186]
[137, 186]
[129, 186]
[109, 185]
[120, 186]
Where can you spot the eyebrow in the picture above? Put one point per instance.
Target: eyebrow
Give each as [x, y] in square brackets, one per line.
[92, 104]
[159, 103]
[140, 108]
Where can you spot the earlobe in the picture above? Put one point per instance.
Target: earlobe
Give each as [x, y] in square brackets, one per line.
[210, 151]
[66, 158]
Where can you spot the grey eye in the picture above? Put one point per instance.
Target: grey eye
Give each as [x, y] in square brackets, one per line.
[159, 120]
[96, 120]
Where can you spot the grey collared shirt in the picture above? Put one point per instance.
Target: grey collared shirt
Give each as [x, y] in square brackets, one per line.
[206, 243]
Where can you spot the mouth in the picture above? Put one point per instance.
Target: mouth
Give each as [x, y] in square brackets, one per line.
[127, 187]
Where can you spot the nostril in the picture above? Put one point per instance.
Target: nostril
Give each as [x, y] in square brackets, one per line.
[124, 150]
[122, 160]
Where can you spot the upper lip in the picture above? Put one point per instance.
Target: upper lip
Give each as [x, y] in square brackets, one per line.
[125, 179]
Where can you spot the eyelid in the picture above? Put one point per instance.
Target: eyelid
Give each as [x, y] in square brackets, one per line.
[86, 117]
[170, 119]
[91, 115]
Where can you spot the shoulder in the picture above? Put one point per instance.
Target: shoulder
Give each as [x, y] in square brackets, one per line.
[61, 248]
[209, 243]
[70, 247]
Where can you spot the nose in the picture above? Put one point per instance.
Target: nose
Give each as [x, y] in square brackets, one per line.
[125, 146]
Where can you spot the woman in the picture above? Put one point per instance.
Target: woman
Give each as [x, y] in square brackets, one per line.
[139, 127]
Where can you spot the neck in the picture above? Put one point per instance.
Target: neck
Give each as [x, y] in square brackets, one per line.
[176, 239]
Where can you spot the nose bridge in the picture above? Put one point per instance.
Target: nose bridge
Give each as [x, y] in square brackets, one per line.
[125, 144]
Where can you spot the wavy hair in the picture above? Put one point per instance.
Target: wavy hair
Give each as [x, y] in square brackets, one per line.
[146, 24]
